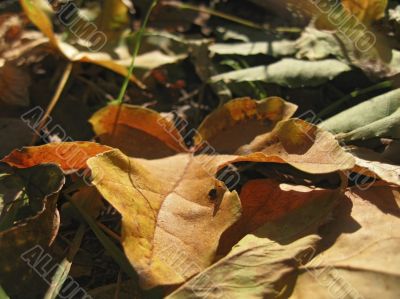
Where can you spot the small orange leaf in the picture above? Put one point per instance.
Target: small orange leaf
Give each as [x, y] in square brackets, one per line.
[140, 132]
[68, 155]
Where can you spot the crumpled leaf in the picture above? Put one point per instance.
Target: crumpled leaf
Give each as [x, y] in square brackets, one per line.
[166, 209]
[377, 117]
[300, 144]
[366, 10]
[239, 121]
[140, 132]
[363, 247]
[288, 72]
[69, 156]
[38, 228]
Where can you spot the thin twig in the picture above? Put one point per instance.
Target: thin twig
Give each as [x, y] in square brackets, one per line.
[109, 232]
[63, 81]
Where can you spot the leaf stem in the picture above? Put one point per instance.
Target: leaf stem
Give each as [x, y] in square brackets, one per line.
[328, 110]
[124, 87]
[63, 81]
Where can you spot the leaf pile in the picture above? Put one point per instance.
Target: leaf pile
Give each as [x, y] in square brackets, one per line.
[256, 155]
[177, 206]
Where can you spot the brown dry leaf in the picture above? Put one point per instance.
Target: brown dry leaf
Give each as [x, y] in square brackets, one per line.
[300, 144]
[239, 121]
[32, 234]
[363, 242]
[366, 11]
[166, 211]
[372, 164]
[69, 156]
[140, 132]
[14, 85]
[267, 200]
[263, 264]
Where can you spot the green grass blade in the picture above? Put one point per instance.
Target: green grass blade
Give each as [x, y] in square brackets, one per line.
[64, 267]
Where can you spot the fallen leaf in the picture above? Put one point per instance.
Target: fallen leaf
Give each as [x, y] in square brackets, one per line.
[300, 144]
[288, 72]
[377, 117]
[256, 263]
[37, 230]
[166, 209]
[362, 244]
[139, 132]
[256, 268]
[69, 156]
[275, 48]
[239, 121]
